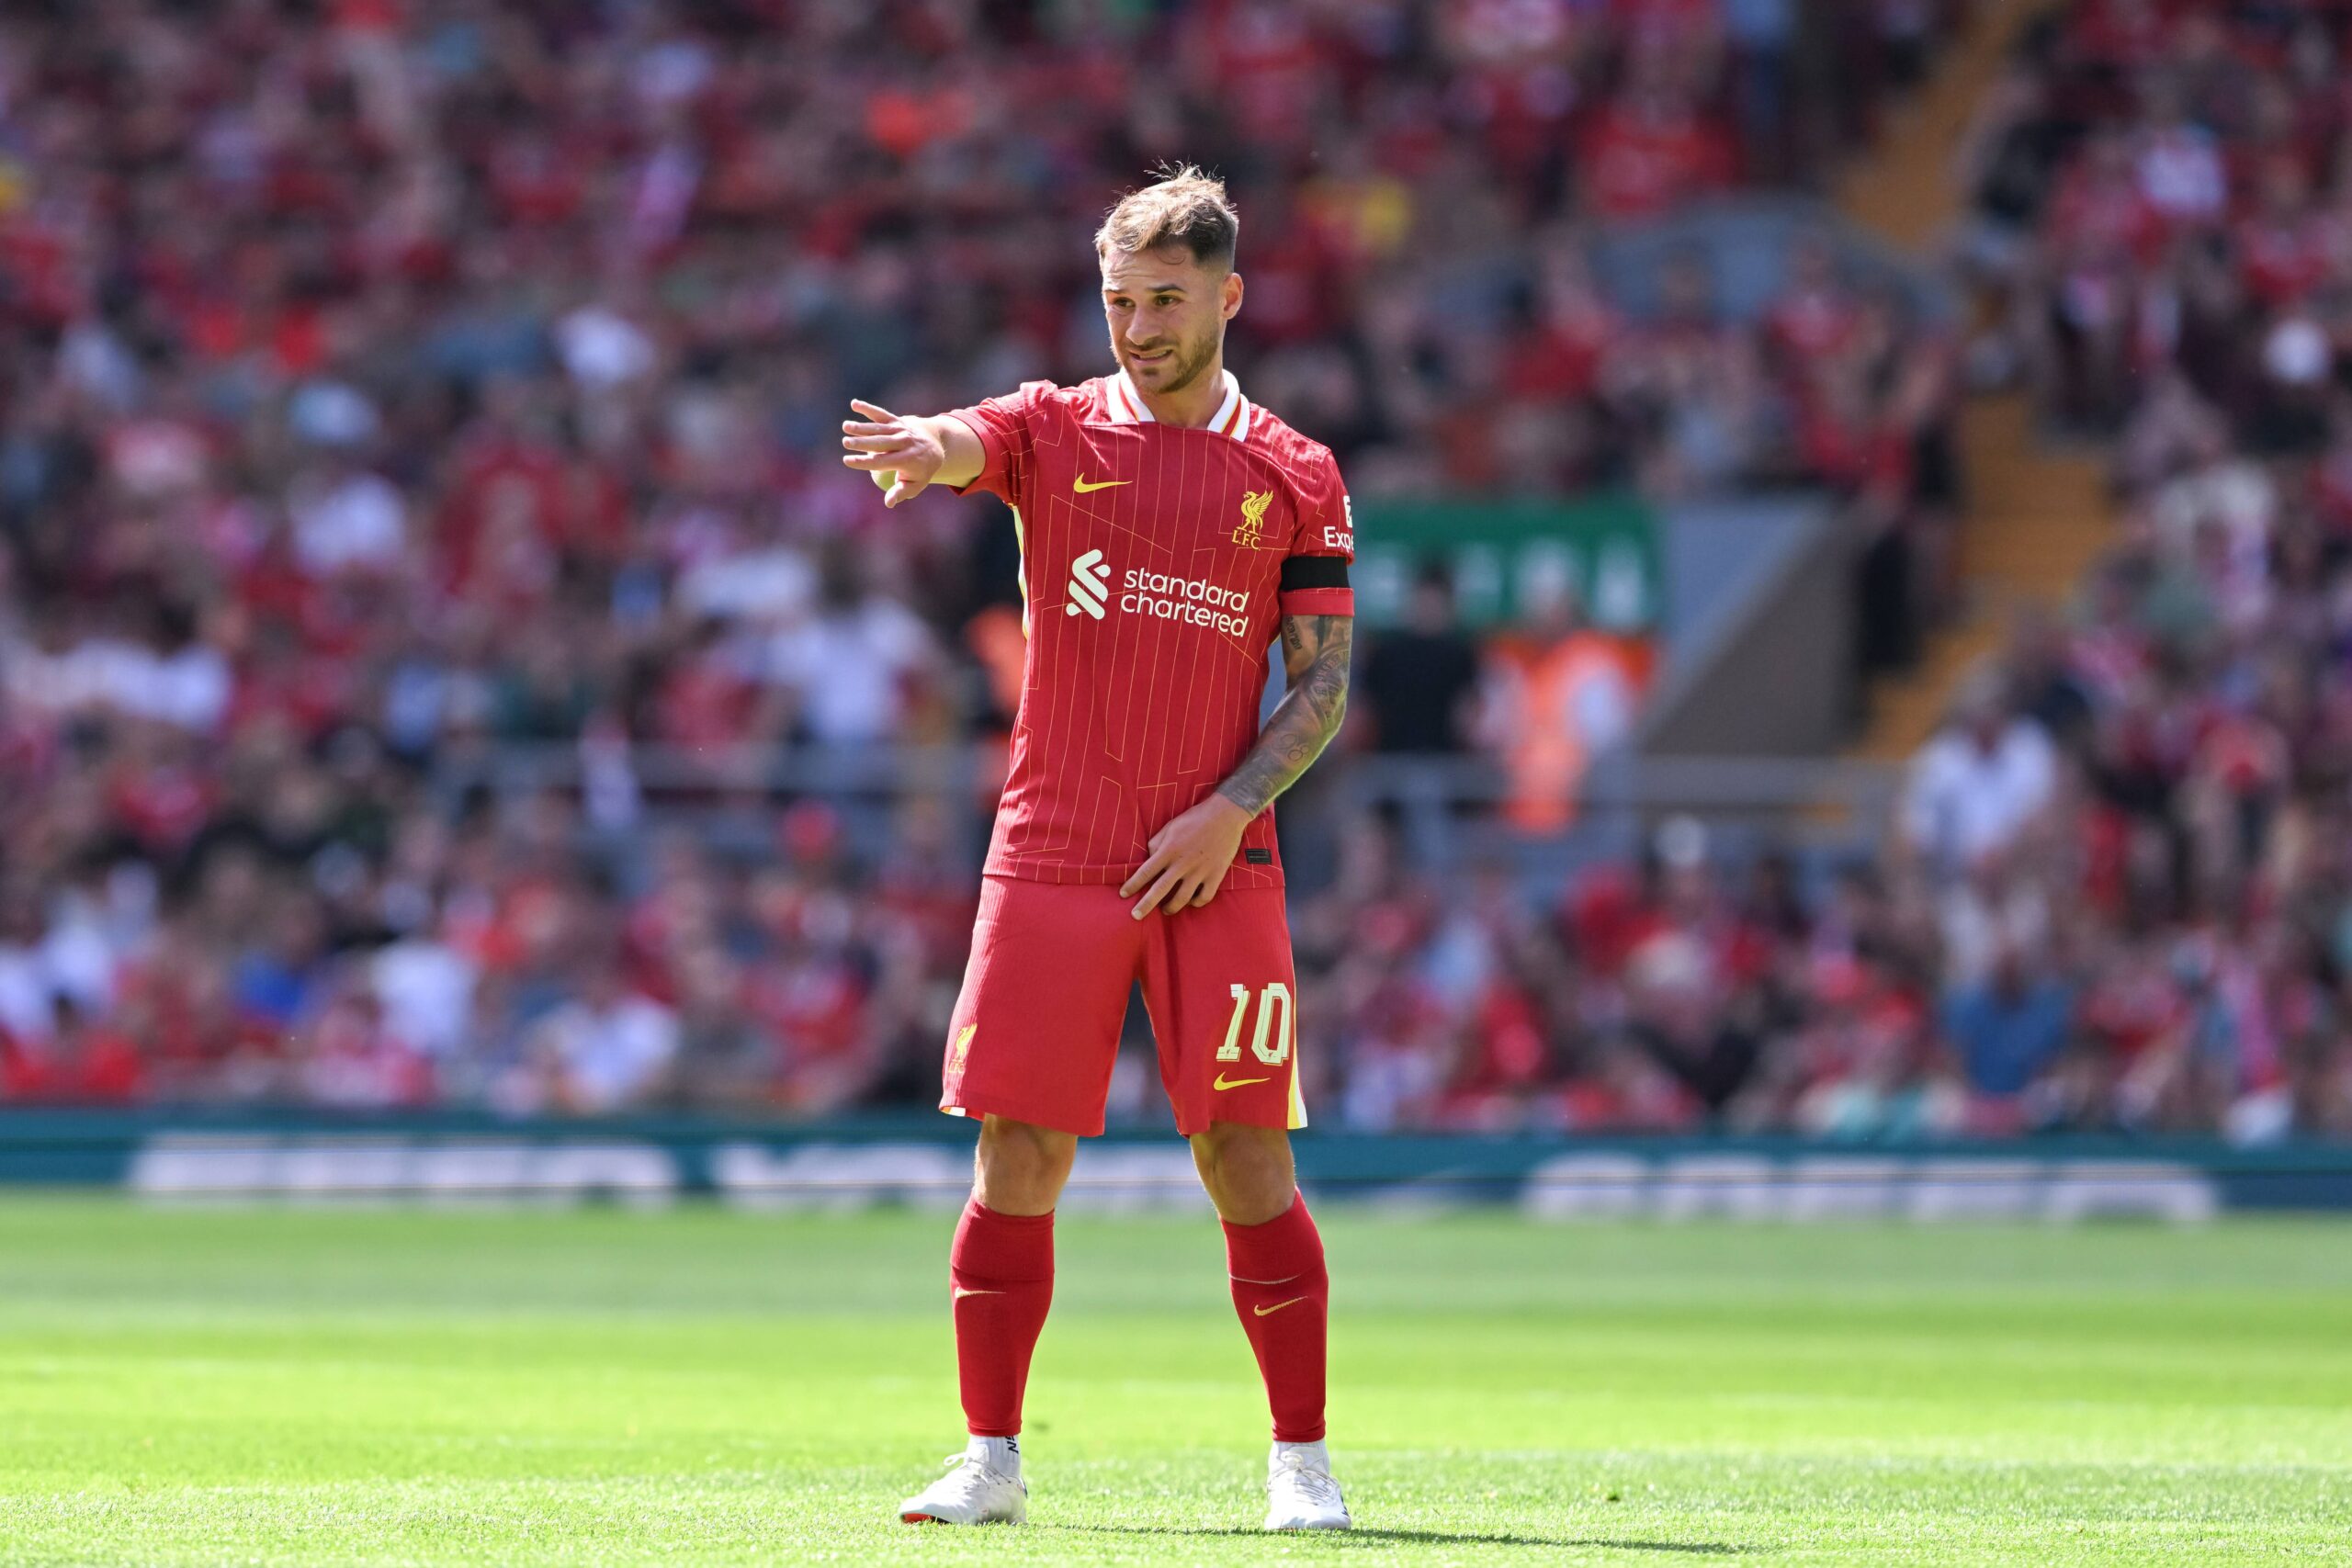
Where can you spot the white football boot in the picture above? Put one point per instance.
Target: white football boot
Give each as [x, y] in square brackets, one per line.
[982, 1486]
[1300, 1493]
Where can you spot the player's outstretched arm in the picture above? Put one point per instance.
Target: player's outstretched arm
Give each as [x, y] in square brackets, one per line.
[919, 451]
[1191, 855]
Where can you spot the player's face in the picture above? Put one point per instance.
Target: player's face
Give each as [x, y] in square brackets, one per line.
[1167, 312]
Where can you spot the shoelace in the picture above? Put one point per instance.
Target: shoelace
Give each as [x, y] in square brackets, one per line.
[969, 1474]
[1317, 1486]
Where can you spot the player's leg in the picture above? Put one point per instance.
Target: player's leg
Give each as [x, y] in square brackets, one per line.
[1219, 982]
[1273, 1259]
[1029, 1053]
[1001, 1276]
[1001, 1284]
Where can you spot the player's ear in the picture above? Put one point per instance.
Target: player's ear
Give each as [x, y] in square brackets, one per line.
[1231, 293]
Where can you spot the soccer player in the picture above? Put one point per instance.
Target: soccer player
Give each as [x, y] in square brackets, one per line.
[1169, 529]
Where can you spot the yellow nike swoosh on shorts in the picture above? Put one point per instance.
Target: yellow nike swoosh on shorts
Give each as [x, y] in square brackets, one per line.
[1236, 1083]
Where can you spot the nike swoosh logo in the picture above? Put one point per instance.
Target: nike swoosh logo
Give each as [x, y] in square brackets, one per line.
[1236, 1083]
[1088, 487]
[1278, 1306]
[959, 1293]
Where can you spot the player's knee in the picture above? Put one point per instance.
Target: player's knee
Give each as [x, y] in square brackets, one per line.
[1019, 1168]
[1247, 1171]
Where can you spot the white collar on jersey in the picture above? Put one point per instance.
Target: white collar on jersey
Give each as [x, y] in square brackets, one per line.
[1232, 418]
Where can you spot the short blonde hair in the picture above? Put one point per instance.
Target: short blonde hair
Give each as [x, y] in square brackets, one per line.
[1184, 207]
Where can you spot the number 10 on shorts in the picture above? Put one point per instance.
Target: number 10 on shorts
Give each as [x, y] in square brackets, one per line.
[1274, 997]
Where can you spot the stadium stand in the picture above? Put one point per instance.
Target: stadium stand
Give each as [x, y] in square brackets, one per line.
[2159, 231]
[411, 399]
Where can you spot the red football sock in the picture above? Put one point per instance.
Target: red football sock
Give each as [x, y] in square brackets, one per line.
[1000, 1272]
[1284, 1297]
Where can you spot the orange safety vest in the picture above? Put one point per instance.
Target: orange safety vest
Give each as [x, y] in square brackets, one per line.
[1552, 695]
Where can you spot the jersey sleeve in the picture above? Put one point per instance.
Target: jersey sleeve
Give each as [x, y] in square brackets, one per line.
[1315, 573]
[1008, 441]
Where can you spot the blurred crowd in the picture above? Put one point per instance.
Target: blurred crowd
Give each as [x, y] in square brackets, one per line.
[2142, 811]
[2115, 895]
[386, 385]
[2163, 203]
[2118, 893]
[2114, 901]
[389, 384]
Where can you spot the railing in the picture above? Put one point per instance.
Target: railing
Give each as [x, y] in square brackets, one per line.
[1448, 810]
[780, 772]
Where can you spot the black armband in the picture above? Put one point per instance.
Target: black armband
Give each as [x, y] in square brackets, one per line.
[1313, 571]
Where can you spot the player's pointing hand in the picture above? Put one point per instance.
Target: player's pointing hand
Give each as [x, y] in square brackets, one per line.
[1189, 858]
[881, 443]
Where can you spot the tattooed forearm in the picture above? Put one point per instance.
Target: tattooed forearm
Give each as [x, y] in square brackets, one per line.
[1315, 652]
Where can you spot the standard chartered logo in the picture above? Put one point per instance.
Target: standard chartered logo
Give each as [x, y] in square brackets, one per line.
[1090, 584]
[1160, 596]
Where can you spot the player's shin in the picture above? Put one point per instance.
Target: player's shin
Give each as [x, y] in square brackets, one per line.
[1283, 1294]
[1001, 1274]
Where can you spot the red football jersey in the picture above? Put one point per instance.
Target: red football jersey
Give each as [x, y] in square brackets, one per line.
[1153, 580]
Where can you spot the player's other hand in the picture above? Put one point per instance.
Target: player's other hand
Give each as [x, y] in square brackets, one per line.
[1189, 858]
[882, 441]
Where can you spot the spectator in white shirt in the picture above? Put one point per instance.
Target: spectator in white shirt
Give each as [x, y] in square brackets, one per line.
[2179, 165]
[1979, 782]
[426, 988]
[345, 517]
[608, 1048]
[850, 664]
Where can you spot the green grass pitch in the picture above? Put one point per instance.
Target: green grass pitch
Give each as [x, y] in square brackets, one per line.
[277, 1386]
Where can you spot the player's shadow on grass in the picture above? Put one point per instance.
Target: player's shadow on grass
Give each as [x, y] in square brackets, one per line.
[1366, 1537]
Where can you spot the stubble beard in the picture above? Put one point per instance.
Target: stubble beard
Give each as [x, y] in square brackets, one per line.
[1187, 368]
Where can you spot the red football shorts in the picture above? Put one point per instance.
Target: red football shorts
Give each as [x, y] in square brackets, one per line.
[1037, 1026]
